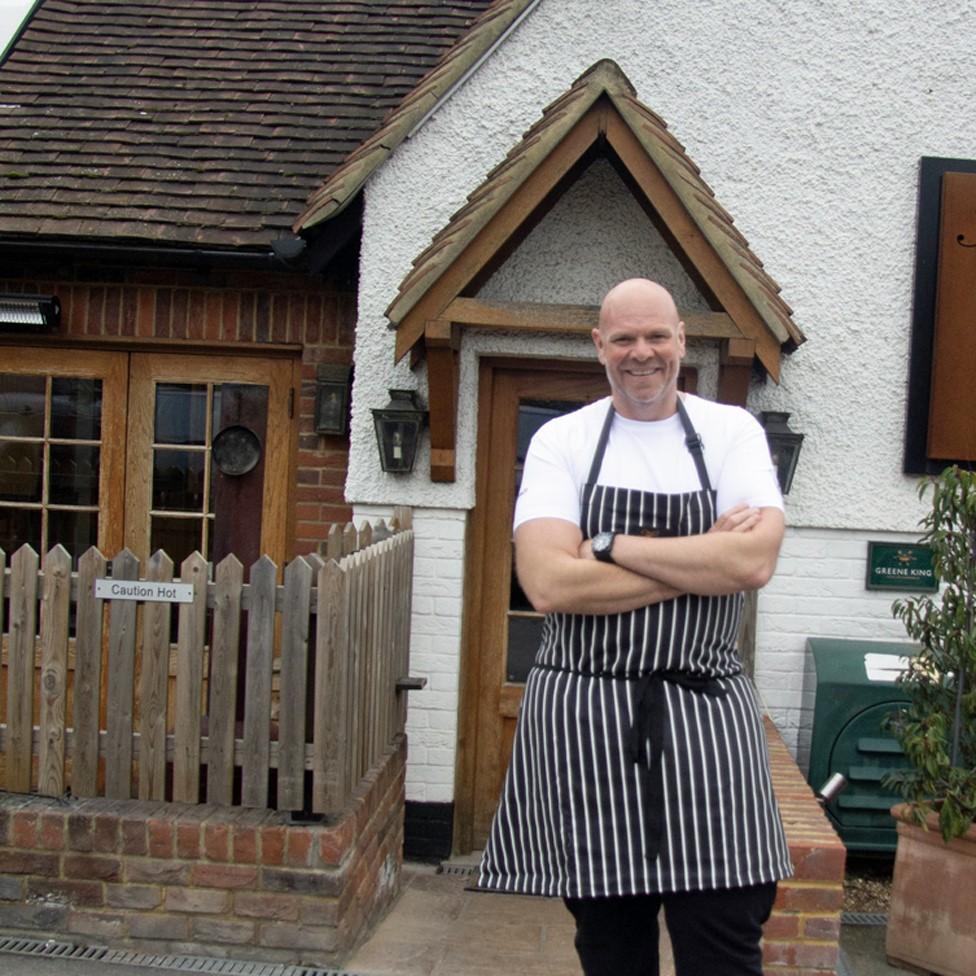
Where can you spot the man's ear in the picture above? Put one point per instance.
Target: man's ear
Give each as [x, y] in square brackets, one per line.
[681, 338]
[598, 342]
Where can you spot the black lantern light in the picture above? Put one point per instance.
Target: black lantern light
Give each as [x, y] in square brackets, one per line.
[29, 313]
[398, 427]
[784, 445]
[332, 384]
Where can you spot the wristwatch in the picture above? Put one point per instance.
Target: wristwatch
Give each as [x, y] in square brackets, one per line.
[602, 546]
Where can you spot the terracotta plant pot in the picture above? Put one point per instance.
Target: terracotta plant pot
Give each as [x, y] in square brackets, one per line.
[932, 919]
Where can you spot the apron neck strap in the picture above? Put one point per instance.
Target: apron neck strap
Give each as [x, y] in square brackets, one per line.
[693, 442]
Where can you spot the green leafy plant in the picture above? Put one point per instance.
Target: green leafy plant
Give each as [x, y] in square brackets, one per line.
[937, 729]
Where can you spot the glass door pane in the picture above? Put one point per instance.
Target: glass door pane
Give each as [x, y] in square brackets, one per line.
[50, 461]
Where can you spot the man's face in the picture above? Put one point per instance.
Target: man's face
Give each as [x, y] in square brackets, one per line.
[641, 342]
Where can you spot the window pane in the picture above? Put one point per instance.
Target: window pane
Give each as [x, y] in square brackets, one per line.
[524, 637]
[181, 413]
[178, 480]
[76, 531]
[74, 475]
[20, 471]
[21, 405]
[76, 409]
[19, 526]
[177, 537]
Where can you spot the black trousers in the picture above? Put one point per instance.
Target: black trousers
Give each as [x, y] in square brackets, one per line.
[713, 933]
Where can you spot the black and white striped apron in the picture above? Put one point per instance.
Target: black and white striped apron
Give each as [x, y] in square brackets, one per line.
[639, 763]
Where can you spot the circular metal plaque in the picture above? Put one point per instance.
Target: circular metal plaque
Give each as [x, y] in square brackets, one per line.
[236, 450]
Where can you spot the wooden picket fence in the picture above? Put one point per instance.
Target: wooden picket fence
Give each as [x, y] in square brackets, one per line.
[102, 700]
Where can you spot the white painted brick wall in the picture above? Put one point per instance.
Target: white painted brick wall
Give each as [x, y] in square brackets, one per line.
[818, 591]
[435, 647]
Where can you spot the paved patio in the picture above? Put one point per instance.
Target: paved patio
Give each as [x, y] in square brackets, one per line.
[439, 929]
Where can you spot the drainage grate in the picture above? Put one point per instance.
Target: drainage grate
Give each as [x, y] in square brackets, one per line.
[863, 918]
[462, 870]
[49, 947]
[169, 963]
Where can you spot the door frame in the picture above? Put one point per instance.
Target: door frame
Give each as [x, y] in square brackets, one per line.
[480, 552]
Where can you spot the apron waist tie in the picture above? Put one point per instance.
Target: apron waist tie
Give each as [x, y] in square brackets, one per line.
[646, 742]
[648, 732]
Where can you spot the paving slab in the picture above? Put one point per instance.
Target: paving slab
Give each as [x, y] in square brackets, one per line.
[439, 928]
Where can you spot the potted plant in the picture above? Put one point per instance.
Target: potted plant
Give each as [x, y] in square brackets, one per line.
[930, 923]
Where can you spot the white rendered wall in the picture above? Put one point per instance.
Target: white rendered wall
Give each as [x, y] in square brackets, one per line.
[807, 120]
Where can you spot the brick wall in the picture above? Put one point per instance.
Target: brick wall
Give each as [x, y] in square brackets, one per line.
[435, 647]
[215, 308]
[802, 936]
[818, 591]
[168, 877]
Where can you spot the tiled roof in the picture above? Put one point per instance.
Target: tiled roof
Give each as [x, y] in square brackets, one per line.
[341, 187]
[604, 79]
[200, 122]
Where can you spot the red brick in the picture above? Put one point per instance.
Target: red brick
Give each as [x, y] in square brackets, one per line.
[29, 862]
[792, 897]
[159, 925]
[105, 839]
[197, 900]
[283, 908]
[23, 828]
[99, 925]
[272, 845]
[149, 871]
[807, 955]
[335, 843]
[135, 896]
[50, 832]
[781, 927]
[298, 847]
[818, 863]
[822, 927]
[84, 894]
[188, 840]
[80, 832]
[134, 837]
[223, 875]
[245, 845]
[161, 837]
[234, 931]
[93, 866]
[216, 841]
[285, 935]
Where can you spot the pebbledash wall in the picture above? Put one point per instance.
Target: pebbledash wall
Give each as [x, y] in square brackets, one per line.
[808, 121]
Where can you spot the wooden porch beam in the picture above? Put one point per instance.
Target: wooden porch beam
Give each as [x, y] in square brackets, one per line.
[735, 370]
[441, 340]
[569, 319]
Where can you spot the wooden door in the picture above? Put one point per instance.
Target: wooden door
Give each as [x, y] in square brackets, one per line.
[180, 493]
[501, 630]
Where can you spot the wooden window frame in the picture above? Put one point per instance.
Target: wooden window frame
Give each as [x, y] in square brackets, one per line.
[922, 350]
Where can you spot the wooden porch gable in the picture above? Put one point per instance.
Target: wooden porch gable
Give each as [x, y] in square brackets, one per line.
[599, 116]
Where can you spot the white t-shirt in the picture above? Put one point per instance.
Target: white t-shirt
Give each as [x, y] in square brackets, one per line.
[649, 456]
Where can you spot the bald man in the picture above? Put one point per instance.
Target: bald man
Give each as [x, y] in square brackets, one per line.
[639, 776]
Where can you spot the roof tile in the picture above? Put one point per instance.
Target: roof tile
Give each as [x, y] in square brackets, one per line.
[131, 118]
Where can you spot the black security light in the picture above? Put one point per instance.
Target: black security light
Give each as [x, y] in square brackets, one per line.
[29, 313]
[784, 445]
[398, 427]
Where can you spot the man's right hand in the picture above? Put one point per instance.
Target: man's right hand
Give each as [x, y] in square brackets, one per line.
[739, 518]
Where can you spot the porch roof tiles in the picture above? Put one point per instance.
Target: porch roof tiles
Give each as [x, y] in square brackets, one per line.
[604, 79]
[200, 122]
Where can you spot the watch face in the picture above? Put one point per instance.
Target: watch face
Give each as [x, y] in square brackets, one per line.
[601, 544]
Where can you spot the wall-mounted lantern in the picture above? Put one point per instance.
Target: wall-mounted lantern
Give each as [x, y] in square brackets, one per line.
[784, 445]
[29, 313]
[333, 382]
[398, 427]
